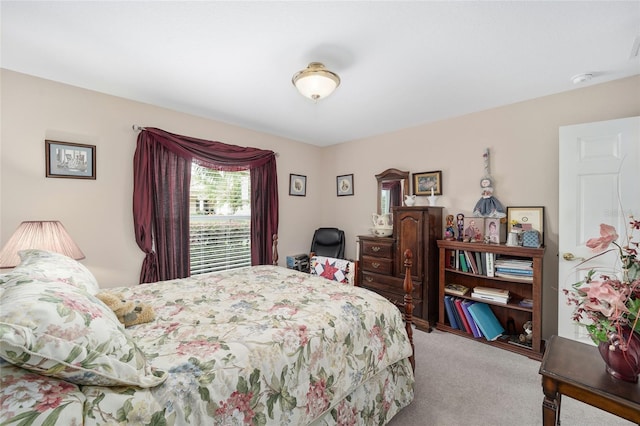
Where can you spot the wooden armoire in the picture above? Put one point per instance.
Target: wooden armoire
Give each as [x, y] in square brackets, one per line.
[381, 261]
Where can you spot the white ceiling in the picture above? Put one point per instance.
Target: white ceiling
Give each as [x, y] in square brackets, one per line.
[402, 64]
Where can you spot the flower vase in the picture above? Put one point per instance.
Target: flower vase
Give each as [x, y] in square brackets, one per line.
[623, 365]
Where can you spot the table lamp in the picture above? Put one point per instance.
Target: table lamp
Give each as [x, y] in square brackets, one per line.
[44, 235]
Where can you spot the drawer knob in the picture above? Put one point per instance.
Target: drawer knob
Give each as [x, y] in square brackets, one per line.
[369, 279]
[375, 265]
[375, 248]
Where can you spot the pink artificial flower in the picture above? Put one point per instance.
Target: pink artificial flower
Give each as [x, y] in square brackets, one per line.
[608, 234]
[603, 297]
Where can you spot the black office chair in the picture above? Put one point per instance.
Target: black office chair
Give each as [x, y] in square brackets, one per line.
[328, 242]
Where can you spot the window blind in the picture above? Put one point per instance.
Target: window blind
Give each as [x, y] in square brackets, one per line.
[219, 220]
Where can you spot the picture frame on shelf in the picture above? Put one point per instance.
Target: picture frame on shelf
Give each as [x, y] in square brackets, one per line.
[473, 230]
[522, 219]
[69, 160]
[344, 185]
[297, 185]
[492, 230]
[424, 182]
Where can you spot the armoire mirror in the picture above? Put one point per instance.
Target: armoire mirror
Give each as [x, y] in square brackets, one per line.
[393, 186]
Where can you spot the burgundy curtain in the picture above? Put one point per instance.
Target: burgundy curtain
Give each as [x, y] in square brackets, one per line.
[162, 177]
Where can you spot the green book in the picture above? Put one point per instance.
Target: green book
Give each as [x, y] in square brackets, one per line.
[463, 263]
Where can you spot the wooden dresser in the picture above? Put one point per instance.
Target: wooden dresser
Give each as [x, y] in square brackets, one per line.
[381, 261]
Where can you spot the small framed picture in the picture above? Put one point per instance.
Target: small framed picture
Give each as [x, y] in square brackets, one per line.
[525, 219]
[297, 185]
[473, 230]
[492, 230]
[427, 183]
[70, 160]
[344, 185]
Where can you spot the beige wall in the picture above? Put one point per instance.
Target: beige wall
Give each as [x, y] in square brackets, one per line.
[98, 214]
[522, 137]
[523, 141]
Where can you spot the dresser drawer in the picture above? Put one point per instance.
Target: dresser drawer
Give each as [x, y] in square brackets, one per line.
[378, 248]
[388, 285]
[377, 264]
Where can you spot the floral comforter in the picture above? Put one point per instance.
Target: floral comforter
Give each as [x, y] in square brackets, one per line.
[263, 345]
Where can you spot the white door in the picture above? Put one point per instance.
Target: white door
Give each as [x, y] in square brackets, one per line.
[599, 181]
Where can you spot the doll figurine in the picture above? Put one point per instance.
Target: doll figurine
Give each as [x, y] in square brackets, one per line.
[449, 233]
[460, 219]
[488, 205]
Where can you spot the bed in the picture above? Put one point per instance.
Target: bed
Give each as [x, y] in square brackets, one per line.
[262, 345]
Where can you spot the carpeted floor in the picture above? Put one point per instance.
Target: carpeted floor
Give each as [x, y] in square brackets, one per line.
[463, 382]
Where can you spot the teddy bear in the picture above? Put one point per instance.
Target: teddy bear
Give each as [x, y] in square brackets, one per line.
[527, 336]
[129, 312]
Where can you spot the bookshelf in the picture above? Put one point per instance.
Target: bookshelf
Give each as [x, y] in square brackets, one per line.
[511, 315]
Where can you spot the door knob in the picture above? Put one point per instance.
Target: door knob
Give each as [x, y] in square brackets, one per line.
[570, 257]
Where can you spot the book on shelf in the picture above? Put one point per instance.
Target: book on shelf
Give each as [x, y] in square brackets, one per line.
[490, 298]
[466, 327]
[515, 271]
[471, 262]
[457, 289]
[448, 308]
[463, 262]
[492, 291]
[514, 263]
[456, 314]
[487, 321]
[526, 303]
[489, 264]
[479, 263]
[475, 330]
[519, 277]
[451, 259]
[515, 340]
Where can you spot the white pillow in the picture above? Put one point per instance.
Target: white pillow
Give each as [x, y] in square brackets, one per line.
[59, 330]
[50, 266]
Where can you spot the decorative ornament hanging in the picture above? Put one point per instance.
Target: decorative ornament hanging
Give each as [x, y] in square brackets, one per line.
[488, 205]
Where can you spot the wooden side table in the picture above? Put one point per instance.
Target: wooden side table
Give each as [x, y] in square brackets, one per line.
[577, 370]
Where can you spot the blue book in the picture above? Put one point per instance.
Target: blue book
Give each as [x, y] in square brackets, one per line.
[514, 270]
[448, 307]
[486, 320]
[472, 323]
[456, 314]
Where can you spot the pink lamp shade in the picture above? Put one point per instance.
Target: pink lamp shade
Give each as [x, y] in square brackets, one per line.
[44, 235]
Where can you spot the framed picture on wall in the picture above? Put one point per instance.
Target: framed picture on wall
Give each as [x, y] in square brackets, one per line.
[344, 185]
[427, 183]
[297, 185]
[70, 160]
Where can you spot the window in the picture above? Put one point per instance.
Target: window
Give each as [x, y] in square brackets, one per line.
[219, 220]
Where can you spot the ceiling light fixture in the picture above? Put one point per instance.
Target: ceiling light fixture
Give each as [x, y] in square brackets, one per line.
[315, 82]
